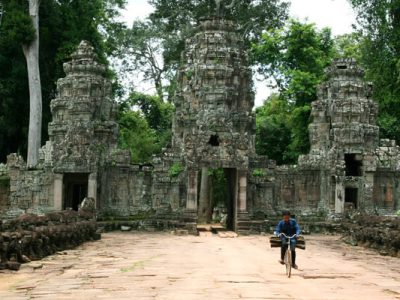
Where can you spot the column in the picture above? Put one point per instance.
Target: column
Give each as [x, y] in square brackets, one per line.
[92, 187]
[191, 202]
[58, 191]
[242, 192]
[339, 198]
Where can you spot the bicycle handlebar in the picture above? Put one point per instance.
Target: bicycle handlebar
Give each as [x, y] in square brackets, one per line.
[287, 236]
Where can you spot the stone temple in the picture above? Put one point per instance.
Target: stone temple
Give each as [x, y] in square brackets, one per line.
[348, 166]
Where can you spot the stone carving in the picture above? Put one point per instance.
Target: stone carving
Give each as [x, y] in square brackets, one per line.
[213, 127]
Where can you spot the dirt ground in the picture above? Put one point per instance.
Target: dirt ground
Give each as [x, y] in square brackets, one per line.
[163, 266]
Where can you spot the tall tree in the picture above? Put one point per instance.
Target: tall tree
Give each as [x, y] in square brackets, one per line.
[63, 24]
[293, 58]
[142, 51]
[31, 52]
[379, 26]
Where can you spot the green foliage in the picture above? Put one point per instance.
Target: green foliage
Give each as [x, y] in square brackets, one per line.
[379, 28]
[142, 52]
[273, 133]
[62, 25]
[4, 181]
[164, 33]
[145, 126]
[258, 173]
[348, 46]
[176, 169]
[158, 115]
[295, 58]
[219, 187]
[398, 213]
[136, 136]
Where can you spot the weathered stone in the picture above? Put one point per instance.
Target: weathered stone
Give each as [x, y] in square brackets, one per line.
[347, 169]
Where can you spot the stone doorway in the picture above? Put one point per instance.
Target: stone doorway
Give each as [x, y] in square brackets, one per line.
[75, 189]
[218, 197]
[351, 198]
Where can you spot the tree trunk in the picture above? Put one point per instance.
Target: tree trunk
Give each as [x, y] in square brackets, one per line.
[31, 53]
[204, 199]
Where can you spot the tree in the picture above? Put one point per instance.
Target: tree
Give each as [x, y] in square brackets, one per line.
[379, 27]
[136, 136]
[63, 24]
[272, 129]
[31, 52]
[142, 52]
[158, 115]
[154, 47]
[293, 58]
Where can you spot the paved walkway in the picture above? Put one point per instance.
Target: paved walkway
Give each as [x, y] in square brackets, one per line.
[163, 266]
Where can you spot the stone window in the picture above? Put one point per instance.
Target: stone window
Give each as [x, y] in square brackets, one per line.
[214, 140]
[353, 164]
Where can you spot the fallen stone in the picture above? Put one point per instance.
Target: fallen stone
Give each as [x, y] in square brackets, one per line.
[13, 265]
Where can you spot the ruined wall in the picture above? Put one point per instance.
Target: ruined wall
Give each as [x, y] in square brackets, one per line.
[32, 237]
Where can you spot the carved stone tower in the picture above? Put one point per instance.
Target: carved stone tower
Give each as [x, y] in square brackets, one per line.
[214, 125]
[83, 131]
[345, 141]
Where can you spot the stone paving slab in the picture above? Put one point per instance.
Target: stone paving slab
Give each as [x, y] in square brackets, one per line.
[164, 266]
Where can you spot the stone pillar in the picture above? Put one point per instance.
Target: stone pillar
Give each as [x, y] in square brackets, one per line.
[242, 203]
[58, 191]
[204, 197]
[191, 202]
[92, 187]
[339, 198]
[368, 192]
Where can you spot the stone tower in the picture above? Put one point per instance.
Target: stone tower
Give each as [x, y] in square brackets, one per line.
[345, 143]
[83, 129]
[214, 126]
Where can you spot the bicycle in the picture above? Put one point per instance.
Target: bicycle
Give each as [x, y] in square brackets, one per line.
[288, 254]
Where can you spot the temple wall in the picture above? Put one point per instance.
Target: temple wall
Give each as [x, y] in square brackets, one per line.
[386, 192]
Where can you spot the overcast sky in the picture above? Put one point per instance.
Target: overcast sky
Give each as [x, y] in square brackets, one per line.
[336, 14]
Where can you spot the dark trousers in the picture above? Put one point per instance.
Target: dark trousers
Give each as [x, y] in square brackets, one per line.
[293, 250]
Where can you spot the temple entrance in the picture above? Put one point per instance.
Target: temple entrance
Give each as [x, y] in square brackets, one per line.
[75, 189]
[351, 198]
[218, 190]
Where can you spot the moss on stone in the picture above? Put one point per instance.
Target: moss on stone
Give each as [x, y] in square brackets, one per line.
[4, 181]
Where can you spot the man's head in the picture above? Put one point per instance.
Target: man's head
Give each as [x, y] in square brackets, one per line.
[286, 215]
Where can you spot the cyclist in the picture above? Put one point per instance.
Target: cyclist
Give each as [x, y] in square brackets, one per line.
[289, 227]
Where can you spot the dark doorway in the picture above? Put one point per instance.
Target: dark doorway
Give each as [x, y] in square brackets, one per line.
[223, 196]
[353, 164]
[351, 198]
[231, 198]
[75, 189]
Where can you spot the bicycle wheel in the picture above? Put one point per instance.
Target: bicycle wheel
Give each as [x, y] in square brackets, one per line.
[288, 262]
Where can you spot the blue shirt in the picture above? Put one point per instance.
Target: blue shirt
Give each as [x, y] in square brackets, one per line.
[290, 228]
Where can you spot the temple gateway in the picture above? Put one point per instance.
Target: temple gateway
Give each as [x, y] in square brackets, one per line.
[348, 167]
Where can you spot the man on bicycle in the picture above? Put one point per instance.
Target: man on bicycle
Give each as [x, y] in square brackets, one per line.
[289, 227]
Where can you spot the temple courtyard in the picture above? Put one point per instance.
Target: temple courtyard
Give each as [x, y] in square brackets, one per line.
[135, 265]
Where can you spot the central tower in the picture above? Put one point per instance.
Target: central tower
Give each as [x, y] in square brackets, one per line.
[214, 125]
